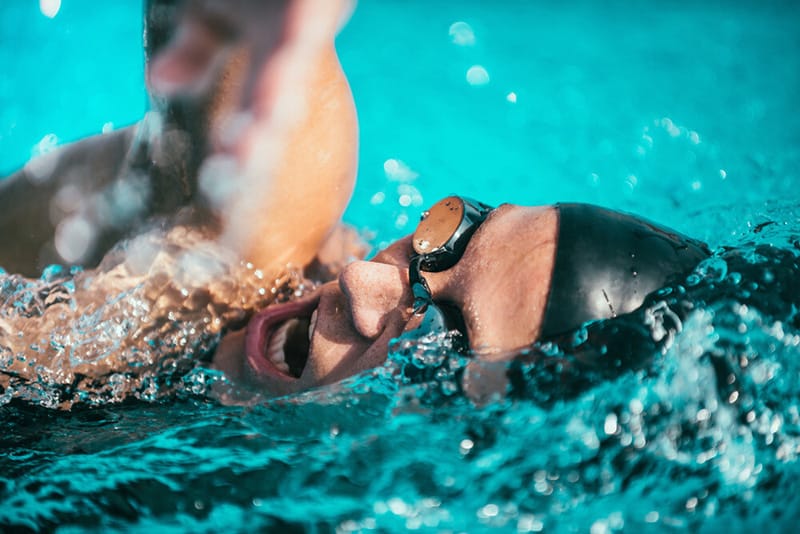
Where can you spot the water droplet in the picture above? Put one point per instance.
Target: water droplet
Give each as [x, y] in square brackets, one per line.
[610, 426]
[600, 527]
[490, 510]
[670, 127]
[401, 221]
[398, 171]
[477, 75]
[74, 236]
[462, 34]
[50, 8]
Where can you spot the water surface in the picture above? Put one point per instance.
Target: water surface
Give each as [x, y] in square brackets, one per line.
[682, 112]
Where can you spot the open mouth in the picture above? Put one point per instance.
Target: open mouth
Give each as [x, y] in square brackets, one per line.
[279, 339]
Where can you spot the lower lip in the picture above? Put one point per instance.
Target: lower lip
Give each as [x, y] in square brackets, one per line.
[264, 324]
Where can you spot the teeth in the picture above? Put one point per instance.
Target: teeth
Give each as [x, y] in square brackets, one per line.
[275, 351]
[312, 324]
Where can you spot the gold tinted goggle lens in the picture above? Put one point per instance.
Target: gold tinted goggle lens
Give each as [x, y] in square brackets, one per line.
[445, 230]
[438, 224]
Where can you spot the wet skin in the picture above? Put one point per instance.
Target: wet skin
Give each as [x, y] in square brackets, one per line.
[500, 287]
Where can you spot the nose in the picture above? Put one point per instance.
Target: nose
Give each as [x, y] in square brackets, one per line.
[375, 291]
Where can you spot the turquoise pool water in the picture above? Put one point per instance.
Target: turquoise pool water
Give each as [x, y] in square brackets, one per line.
[682, 112]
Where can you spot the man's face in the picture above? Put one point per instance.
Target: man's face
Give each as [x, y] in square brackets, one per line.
[499, 286]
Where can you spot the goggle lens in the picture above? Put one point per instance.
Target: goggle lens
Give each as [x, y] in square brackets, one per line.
[438, 225]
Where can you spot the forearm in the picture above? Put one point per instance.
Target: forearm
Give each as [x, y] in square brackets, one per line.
[297, 158]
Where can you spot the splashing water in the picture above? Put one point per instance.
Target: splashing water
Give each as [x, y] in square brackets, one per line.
[703, 434]
[134, 328]
[661, 448]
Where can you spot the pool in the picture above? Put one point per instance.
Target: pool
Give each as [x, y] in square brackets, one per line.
[681, 112]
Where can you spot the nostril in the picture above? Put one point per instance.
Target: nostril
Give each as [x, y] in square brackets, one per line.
[373, 291]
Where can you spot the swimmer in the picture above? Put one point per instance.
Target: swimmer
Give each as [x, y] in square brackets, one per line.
[505, 278]
[546, 300]
[252, 136]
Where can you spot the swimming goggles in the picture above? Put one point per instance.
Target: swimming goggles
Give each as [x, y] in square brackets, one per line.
[442, 236]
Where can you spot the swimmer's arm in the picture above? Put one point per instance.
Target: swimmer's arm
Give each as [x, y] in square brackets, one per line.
[293, 203]
[50, 187]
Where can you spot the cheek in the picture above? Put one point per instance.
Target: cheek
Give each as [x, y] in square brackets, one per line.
[357, 358]
[474, 320]
[378, 351]
[334, 335]
[339, 352]
[480, 294]
[501, 317]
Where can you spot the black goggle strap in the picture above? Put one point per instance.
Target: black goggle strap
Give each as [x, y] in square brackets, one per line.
[483, 209]
[419, 287]
[429, 318]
